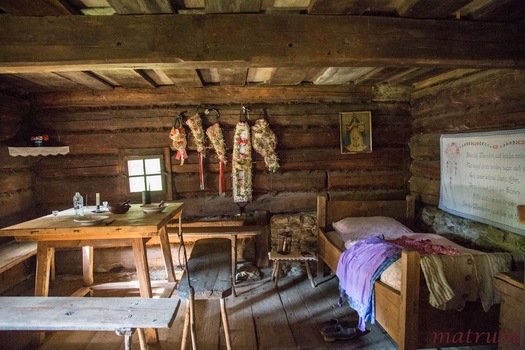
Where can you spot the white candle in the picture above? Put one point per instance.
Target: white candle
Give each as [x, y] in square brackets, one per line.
[98, 199]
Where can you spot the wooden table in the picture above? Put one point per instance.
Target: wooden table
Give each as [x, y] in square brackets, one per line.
[134, 228]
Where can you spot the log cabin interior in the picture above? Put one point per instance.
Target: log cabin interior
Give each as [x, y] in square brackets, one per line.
[110, 80]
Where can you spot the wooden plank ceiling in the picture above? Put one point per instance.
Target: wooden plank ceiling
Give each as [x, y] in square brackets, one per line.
[36, 74]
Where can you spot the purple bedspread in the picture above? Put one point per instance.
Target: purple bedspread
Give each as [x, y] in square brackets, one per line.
[357, 270]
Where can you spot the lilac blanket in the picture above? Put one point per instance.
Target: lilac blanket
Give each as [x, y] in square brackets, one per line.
[358, 268]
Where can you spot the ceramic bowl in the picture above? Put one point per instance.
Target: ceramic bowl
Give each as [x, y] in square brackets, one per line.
[153, 208]
[118, 208]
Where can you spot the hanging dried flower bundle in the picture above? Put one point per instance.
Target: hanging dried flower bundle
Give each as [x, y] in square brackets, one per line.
[178, 135]
[264, 142]
[242, 164]
[216, 137]
[214, 133]
[195, 124]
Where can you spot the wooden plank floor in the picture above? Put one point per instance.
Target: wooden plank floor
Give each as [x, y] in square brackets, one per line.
[261, 317]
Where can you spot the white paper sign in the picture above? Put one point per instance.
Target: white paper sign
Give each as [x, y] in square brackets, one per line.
[483, 177]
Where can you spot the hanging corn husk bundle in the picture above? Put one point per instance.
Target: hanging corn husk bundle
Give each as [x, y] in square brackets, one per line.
[216, 137]
[195, 124]
[178, 135]
[242, 164]
[264, 142]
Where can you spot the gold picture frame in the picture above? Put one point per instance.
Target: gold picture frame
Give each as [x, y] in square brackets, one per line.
[355, 130]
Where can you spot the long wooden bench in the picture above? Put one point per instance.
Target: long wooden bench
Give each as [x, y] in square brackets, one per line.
[13, 253]
[121, 315]
[207, 276]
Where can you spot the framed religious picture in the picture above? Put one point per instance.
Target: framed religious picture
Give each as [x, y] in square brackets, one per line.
[355, 132]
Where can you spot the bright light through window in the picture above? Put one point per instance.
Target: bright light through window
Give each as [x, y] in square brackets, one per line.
[145, 174]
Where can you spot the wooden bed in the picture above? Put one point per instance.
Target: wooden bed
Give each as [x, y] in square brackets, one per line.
[405, 315]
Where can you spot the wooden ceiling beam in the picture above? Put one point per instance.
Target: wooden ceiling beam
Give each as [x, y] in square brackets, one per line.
[210, 95]
[188, 41]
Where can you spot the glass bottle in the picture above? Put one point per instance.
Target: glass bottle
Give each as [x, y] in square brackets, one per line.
[78, 204]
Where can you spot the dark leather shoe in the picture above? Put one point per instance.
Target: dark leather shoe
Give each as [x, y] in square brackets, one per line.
[339, 332]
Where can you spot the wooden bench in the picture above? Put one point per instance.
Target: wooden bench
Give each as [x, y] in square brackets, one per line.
[13, 253]
[121, 315]
[207, 276]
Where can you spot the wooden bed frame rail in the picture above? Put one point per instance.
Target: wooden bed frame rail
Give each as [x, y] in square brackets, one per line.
[406, 315]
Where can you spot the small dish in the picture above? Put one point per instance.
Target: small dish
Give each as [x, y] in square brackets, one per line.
[153, 208]
[90, 220]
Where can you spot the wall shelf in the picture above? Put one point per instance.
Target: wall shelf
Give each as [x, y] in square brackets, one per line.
[38, 151]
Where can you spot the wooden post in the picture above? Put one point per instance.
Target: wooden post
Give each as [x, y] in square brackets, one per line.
[44, 255]
[166, 253]
[169, 179]
[409, 309]
[139, 251]
[87, 266]
[321, 223]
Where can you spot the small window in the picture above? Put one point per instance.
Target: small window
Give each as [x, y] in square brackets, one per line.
[145, 173]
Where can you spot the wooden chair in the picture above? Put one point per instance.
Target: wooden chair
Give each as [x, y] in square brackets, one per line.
[207, 276]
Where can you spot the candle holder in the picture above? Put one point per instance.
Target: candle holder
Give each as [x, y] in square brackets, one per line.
[284, 246]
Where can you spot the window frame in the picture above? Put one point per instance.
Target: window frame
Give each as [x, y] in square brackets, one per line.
[150, 153]
[145, 175]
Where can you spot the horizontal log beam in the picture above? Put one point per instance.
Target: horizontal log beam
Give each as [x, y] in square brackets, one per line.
[72, 43]
[173, 96]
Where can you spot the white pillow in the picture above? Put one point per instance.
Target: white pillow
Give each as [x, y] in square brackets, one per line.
[356, 228]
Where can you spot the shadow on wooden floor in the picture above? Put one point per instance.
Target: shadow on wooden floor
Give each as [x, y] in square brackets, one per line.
[261, 317]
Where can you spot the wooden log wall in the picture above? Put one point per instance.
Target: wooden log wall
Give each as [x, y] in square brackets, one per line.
[16, 177]
[308, 149]
[16, 181]
[492, 100]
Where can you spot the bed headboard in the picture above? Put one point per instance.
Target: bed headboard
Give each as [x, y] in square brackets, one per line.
[329, 211]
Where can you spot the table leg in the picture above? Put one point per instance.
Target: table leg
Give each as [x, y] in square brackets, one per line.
[277, 262]
[44, 255]
[309, 273]
[87, 266]
[274, 269]
[166, 253]
[234, 262]
[141, 261]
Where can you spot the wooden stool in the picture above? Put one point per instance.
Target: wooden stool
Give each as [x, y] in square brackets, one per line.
[304, 256]
[210, 277]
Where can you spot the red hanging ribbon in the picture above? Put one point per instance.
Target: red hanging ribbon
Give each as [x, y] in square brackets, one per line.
[201, 171]
[221, 178]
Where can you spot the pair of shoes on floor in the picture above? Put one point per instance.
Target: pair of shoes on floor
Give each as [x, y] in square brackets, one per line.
[330, 323]
[335, 329]
[339, 332]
